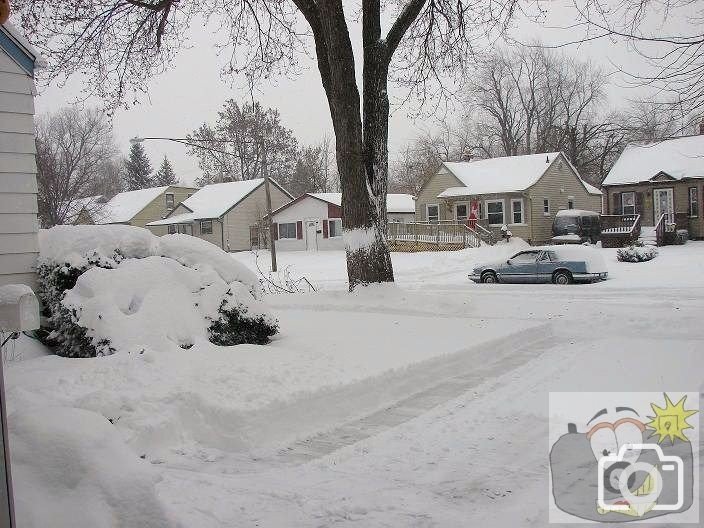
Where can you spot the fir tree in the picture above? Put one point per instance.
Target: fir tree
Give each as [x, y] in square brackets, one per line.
[166, 174]
[138, 169]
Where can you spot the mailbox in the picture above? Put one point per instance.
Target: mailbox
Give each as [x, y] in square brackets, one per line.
[19, 309]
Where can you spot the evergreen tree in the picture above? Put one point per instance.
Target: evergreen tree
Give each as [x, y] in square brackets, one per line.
[138, 169]
[166, 174]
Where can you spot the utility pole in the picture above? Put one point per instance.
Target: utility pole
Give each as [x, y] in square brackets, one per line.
[270, 220]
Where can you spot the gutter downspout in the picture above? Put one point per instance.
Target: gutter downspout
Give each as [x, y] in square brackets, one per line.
[222, 233]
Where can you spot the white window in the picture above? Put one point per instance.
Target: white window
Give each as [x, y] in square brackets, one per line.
[628, 203]
[461, 212]
[495, 212]
[169, 201]
[693, 202]
[206, 227]
[287, 230]
[432, 213]
[335, 227]
[172, 229]
[546, 206]
[570, 202]
[517, 211]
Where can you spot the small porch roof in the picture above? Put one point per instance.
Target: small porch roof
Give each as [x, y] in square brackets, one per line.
[184, 218]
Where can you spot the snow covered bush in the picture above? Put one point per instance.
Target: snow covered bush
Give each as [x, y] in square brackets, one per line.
[120, 288]
[637, 253]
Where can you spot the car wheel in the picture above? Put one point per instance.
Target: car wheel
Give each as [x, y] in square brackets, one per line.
[562, 277]
[489, 277]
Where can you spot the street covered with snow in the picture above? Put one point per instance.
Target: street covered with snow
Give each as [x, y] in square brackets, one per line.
[423, 403]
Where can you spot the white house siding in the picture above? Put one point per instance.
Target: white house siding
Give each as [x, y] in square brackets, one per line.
[307, 208]
[18, 181]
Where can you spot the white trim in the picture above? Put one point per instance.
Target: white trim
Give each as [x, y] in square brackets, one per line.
[503, 210]
[211, 227]
[546, 199]
[427, 216]
[634, 202]
[523, 212]
[690, 202]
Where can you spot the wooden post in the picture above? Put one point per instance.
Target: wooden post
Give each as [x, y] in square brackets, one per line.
[270, 220]
[415, 236]
[437, 235]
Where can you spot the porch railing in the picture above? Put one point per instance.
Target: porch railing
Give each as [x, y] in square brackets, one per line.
[660, 230]
[620, 224]
[426, 236]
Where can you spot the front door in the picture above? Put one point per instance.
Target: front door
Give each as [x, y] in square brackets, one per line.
[664, 205]
[311, 235]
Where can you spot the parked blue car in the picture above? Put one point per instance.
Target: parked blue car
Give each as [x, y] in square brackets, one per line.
[550, 264]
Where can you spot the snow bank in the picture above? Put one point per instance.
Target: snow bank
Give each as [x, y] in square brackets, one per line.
[120, 288]
[70, 469]
[71, 244]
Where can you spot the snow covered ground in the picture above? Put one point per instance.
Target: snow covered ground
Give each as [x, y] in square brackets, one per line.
[421, 404]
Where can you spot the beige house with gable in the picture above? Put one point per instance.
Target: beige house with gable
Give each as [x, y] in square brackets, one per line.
[228, 214]
[140, 207]
[522, 192]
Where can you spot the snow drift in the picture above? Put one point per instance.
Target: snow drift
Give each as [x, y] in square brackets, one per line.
[121, 289]
[70, 469]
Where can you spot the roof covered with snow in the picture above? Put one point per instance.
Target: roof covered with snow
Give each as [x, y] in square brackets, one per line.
[395, 203]
[678, 158]
[124, 206]
[213, 201]
[94, 205]
[501, 175]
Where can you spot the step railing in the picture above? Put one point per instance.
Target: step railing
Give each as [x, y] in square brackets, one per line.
[660, 230]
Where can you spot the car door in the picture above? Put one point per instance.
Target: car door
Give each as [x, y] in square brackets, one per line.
[545, 266]
[522, 267]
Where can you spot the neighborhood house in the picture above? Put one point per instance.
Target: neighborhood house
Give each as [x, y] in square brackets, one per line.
[140, 207]
[227, 214]
[18, 168]
[313, 221]
[523, 192]
[661, 179]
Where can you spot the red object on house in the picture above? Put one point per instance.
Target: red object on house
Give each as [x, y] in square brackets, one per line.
[473, 214]
[299, 230]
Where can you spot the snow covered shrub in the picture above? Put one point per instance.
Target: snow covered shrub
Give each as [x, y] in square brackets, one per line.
[108, 289]
[637, 253]
[64, 334]
[237, 325]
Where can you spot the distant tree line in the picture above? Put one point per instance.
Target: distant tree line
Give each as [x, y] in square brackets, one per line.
[532, 100]
[77, 157]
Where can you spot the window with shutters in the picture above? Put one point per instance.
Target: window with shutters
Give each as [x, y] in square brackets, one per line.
[335, 227]
[628, 203]
[693, 202]
[287, 230]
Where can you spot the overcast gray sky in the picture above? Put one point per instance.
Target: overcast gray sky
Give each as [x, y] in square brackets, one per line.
[192, 92]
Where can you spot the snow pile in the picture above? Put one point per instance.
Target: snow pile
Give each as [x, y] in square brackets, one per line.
[70, 469]
[120, 288]
[637, 253]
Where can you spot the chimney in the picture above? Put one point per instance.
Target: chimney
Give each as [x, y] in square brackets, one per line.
[547, 159]
[467, 156]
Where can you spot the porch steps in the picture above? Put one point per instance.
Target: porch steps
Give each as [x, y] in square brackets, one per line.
[648, 236]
